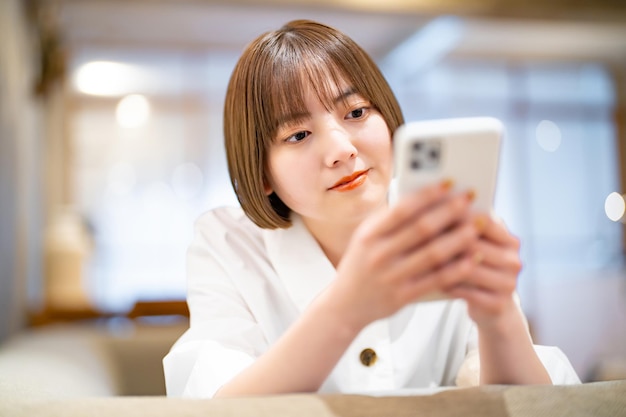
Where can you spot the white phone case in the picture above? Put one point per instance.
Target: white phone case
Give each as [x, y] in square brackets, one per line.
[464, 150]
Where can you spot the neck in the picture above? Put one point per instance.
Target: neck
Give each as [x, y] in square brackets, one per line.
[333, 237]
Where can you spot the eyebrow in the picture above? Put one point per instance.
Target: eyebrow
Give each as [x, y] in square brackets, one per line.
[293, 118]
[341, 97]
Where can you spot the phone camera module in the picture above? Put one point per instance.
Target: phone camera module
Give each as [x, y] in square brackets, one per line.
[425, 154]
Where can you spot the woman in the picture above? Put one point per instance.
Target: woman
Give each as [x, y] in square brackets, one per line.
[312, 285]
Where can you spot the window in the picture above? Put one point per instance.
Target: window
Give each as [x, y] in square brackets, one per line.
[559, 156]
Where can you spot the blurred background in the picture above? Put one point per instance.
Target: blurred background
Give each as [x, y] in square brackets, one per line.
[111, 144]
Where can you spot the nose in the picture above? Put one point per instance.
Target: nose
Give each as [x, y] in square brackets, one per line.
[340, 147]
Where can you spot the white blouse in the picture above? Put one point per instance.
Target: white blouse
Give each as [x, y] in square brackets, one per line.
[247, 285]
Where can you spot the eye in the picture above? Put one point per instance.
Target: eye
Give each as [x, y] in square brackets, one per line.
[357, 113]
[298, 136]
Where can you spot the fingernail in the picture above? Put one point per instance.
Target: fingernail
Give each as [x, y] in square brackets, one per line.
[480, 223]
[447, 184]
[470, 195]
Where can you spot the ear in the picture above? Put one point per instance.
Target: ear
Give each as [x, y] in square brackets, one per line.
[267, 188]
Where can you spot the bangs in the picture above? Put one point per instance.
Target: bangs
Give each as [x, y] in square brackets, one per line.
[295, 67]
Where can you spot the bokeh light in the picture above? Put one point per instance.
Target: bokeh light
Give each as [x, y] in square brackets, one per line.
[548, 135]
[132, 111]
[614, 206]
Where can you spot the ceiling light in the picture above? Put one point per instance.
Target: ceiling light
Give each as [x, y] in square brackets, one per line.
[105, 78]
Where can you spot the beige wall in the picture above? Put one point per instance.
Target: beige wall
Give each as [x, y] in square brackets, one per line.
[20, 162]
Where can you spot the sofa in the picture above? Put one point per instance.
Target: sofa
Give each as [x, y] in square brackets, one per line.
[113, 368]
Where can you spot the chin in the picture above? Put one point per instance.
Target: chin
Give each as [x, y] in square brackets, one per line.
[368, 205]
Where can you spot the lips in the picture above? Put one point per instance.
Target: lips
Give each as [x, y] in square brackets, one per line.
[350, 182]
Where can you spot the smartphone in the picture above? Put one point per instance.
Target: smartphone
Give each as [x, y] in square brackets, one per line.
[464, 150]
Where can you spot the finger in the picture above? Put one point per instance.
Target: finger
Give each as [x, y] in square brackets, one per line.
[497, 257]
[494, 230]
[455, 272]
[491, 280]
[414, 204]
[437, 252]
[428, 225]
[437, 280]
[487, 301]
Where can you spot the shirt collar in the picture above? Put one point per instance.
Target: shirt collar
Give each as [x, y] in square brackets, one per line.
[299, 262]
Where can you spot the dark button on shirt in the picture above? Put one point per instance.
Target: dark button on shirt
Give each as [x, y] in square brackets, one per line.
[368, 357]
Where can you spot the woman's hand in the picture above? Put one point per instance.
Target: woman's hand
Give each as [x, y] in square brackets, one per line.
[420, 245]
[489, 287]
[506, 351]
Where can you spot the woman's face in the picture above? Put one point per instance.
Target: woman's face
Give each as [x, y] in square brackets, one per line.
[332, 165]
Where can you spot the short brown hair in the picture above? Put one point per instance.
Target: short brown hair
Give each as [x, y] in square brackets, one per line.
[268, 82]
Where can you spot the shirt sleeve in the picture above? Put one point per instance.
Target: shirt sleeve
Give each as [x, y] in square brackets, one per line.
[223, 337]
[558, 366]
[553, 359]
